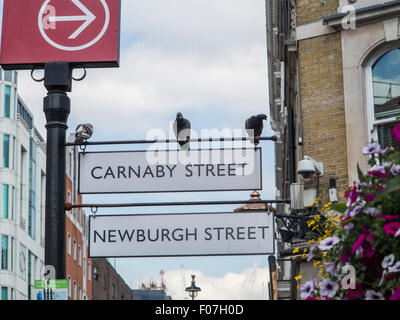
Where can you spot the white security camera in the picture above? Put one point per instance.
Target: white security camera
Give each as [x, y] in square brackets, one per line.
[308, 167]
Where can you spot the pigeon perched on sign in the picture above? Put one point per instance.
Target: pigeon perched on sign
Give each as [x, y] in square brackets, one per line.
[181, 128]
[83, 132]
[254, 127]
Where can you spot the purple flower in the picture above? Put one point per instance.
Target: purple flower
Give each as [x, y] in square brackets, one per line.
[395, 268]
[359, 242]
[394, 170]
[328, 243]
[353, 197]
[345, 257]
[373, 148]
[332, 268]
[348, 227]
[392, 228]
[306, 289]
[369, 252]
[370, 197]
[328, 288]
[388, 261]
[372, 295]
[371, 211]
[396, 132]
[355, 293]
[396, 294]
[356, 210]
[379, 172]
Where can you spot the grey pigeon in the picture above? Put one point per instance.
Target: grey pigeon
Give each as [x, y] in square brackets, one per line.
[83, 132]
[254, 127]
[182, 128]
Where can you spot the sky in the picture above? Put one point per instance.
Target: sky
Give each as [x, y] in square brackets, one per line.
[206, 59]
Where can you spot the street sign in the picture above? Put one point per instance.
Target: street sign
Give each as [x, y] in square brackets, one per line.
[170, 171]
[82, 32]
[166, 235]
[51, 289]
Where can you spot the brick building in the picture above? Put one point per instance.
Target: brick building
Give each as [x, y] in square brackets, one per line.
[107, 283]
[334, 87]
[78, 264]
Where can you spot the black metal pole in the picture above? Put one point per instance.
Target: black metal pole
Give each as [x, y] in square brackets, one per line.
[56, 106]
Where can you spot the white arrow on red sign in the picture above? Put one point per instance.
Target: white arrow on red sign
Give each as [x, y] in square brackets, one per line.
[88, 18]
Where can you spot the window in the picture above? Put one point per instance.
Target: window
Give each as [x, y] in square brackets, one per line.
[74, 249]
[4, 293]
[95, 273]
[32, 190]
[75, 290]
[80, 293]
[4, 252]
[12, 254]
[6, 151]
[69, 244]
[5, 201]
[7, 101]
[89, 271]
[8, 76]
[80, 255]
[385, 106]
[69, 286]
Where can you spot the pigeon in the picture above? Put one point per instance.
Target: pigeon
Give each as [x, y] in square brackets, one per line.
[83, 132]
[254, 127]
[181, 128]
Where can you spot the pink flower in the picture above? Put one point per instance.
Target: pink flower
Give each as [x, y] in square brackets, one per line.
[389, 218]
[356, 293]
[379, 172]
[345, 257]
[391, 228]
[396, 294]
[359, 242]
[311, 298]
[396, 132]
[370, 197]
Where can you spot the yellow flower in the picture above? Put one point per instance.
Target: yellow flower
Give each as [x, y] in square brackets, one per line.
[310, 223]
[316, 263]
[310, 242]
[297, 278]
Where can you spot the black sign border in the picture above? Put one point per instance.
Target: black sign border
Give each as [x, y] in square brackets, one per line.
[172, 191]
[187, 255]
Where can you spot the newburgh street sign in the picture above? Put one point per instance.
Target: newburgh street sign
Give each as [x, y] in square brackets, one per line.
[194, 234]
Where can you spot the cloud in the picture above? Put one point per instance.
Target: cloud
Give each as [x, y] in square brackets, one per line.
[205, 59]
[251, 284]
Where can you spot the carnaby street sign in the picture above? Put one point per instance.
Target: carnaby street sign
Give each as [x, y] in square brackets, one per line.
[82, 32]
[200, 234]
[170, 171]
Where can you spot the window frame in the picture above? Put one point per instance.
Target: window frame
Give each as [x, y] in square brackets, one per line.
[372, 132]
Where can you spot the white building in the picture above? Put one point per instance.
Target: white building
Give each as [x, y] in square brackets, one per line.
[22, 194]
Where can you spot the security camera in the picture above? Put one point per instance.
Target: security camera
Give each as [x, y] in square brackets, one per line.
[308, 167]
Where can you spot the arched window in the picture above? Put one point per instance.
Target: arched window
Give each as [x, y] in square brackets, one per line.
[385, 105]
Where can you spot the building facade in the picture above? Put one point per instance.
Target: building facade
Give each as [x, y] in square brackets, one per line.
[334, 87]
[78, 264]
[107, 283]
[22, 196]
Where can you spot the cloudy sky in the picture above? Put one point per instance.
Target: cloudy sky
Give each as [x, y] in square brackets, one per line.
[206, 59]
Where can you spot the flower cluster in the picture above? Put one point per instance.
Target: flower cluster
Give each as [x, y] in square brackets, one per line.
[366, 237]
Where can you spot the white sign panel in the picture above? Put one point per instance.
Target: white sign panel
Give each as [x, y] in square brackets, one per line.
[164, 235]
[170, 171]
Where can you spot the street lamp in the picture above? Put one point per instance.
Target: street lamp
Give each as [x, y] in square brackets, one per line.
[193, 290]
